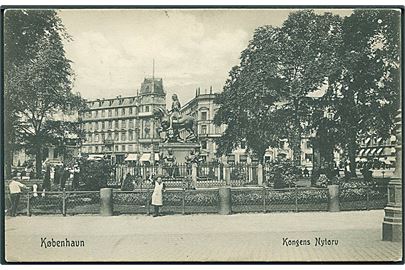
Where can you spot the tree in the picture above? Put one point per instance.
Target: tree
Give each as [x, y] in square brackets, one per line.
[364, 88]
[38, 76]
[266, 97]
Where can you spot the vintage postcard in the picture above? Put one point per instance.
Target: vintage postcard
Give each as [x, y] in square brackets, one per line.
[200, 134]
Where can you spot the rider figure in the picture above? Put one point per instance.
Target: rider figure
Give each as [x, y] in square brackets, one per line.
[175, 111]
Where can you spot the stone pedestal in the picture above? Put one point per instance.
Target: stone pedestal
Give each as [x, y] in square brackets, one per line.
[225, 205]
[180, 150]
[333, 205]
[106, 203]
[392, 224]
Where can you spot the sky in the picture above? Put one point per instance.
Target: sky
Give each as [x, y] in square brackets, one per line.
[113, 50]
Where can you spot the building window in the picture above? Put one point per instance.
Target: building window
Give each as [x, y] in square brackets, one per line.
[110, 124]
[96, 138]
[109, 136]
[102, 136]
[146, 108]
[102, 113]
[109, 113]
[204, 144]
[203, 129]
[123, 147]
[123, 111]
[116, 138]
[130, 148]
[147, 132]
[116, 148]
[123, 136]
[308, 157]
[116, 124]
[217, 129]
[130, 135]
[131, 123]
[204, 116]
[130, 110]
[96, 149]
[123, 124]
[116, 112]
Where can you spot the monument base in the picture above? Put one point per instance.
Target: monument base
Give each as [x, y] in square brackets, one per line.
[392, 224]
[180, 150]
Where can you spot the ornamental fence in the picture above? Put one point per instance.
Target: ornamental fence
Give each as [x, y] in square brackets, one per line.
[180, 175]
[204, 200]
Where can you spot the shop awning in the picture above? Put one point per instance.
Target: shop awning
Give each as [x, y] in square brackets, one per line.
[379, 140]
[361, 152]
[131, 157]
[95, 157]
[145, 157]
[372, 152]
[366, 152]
[379, 151]
[367, 141]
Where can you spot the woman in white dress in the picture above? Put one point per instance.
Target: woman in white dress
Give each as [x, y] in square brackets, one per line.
[157, 195]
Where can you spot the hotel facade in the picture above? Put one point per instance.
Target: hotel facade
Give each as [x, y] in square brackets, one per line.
[123, 127]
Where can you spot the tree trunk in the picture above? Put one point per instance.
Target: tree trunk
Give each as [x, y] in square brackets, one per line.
[352, 155]
[296, 138]
[38, 162]
[296, 147]
[8, 161]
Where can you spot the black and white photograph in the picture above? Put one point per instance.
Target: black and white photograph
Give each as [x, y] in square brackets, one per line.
[202, 134]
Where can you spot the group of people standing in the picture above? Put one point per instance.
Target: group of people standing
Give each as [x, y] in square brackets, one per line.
[59, 175]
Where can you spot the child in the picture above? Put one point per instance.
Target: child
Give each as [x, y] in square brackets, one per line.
[157, 195]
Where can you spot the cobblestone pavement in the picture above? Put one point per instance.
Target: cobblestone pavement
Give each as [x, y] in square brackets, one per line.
[241, 237]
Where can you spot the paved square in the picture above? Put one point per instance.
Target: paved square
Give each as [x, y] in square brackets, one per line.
[268, 237]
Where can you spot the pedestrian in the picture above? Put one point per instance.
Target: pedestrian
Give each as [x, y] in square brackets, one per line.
[76, 177]
[15, 191]
[157, 196]
[64, 177]
[56, 178]
[47, 179]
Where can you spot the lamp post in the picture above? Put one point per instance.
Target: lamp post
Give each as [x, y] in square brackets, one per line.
[392, 224]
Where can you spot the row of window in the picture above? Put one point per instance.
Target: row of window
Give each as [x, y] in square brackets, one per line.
[105, 148]
[204, 129]
[116, 124]
[116, 112]
[117, 136]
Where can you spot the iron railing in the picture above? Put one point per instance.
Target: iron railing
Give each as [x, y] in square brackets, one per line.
[201, 200]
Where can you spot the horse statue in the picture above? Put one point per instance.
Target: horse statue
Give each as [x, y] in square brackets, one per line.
[185, 122]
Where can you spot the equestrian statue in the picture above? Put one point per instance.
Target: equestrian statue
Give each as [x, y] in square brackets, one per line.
[172, 122]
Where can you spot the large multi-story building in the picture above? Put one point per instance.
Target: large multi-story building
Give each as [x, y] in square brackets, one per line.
[123, 127]
[203, 108]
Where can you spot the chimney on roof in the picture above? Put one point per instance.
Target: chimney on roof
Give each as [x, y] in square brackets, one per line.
[196, 92]
[211, 89]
